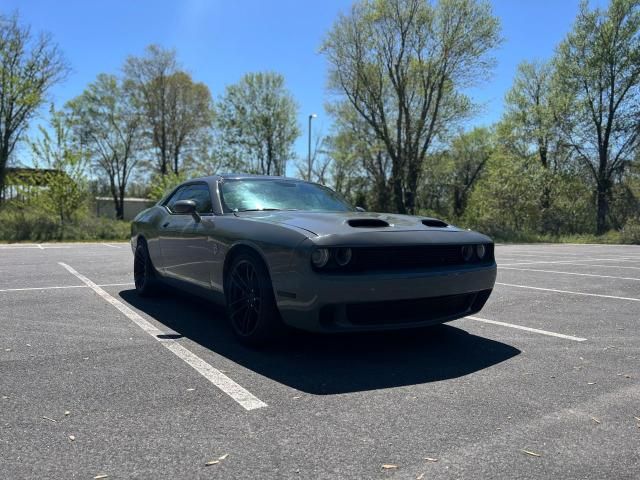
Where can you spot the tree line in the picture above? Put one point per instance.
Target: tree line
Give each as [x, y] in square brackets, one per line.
[563, 159]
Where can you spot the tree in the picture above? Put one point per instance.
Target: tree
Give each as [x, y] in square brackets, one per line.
[177, 110]
[535, 114]
[599, 68]
[403, 64]
[256, 124]
[29, 66]
[60, 158]
[357, 152]
[109, 126]
[469, 153]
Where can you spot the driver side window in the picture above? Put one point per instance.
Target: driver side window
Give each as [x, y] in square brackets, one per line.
[198, 192]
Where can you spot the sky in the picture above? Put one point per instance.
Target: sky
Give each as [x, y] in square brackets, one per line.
[217, 41]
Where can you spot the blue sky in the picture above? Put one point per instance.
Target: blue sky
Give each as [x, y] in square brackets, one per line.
[218, 41]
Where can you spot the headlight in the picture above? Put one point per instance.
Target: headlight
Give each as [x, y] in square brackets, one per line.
[481, 251]
[467, 252]
[342, 256]
[320, 257]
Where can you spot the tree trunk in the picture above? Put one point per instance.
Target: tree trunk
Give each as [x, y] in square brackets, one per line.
[4, 159]
[396, 182]
[458, 203]
[397, 195]
[602, 206]
[410, 192]
[2, 177]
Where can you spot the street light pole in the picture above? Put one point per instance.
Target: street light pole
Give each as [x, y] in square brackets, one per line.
[311, 117]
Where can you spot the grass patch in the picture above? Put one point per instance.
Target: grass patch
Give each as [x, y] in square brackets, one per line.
[31, 225]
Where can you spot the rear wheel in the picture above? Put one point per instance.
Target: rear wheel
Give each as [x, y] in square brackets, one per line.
[251, 305]
[143, 271]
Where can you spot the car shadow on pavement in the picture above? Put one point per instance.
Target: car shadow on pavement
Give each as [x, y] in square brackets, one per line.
[331, 364]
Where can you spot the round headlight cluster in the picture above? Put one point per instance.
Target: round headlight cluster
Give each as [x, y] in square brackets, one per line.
[320, 257]
[468, 252]
[331, 257]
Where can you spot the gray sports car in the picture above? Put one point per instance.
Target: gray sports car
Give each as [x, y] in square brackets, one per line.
[281, 251]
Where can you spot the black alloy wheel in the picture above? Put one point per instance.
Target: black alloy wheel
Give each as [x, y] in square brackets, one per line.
[251, 306]
[143, 271]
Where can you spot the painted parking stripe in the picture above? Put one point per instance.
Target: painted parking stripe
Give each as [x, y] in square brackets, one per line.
[626, 259]
[558, 254]
[608, 266]
[529, 329]
[506, 265]
[570, 273]
[109, 245]
[569, 292]
[36, 247]
[242, 396]
[28, 289]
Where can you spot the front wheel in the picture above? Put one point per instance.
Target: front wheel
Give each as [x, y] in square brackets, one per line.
[143, 272]
[251, 305]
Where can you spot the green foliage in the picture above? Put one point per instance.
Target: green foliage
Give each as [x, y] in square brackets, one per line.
[160, 185]
[505, 202]
[403, 66]
[451, 175]
[631, 231]
[29, 222]
[64, 191]
[598, 71]
[29, 67]
[256, 123]
[109, 127]
[176, 111]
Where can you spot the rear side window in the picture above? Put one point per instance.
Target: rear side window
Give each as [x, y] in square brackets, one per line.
[198, 192]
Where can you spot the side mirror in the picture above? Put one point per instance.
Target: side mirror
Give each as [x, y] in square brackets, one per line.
[186, 207]
[360, 209]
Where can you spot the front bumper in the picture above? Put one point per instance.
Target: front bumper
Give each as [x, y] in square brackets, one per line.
[381, 300]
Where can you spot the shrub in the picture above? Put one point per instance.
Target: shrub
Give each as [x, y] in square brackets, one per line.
[631, 231]
[20, 222]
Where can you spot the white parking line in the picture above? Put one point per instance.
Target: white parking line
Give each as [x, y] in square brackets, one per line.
[608, 266]
[247, 400]
[27, 289]
[626, 259]
[529, 329]
[570, 273]
[109, 245]
[530, 253]
[569, 292]
[39, 247]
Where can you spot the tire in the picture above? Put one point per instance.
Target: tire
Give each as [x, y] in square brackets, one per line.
[251, 306]
[144, 274]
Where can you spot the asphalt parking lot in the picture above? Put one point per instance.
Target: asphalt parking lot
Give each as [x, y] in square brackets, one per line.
[543, 383]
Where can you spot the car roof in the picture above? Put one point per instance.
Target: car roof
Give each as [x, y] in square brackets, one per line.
[243, 176]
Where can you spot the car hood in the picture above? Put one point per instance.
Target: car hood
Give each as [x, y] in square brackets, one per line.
[344, 223]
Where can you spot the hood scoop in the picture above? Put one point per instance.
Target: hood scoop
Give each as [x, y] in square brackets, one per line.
[367, 223]
[434, 222]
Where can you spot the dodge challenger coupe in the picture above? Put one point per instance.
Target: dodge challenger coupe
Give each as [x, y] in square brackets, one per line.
[277, 251]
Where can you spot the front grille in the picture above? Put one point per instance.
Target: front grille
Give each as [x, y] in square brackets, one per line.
[413, 257]
[397, 312]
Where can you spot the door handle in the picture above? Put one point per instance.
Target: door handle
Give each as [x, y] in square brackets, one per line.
[165, 225]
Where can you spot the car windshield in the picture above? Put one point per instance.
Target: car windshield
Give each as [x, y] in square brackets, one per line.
[257, 195]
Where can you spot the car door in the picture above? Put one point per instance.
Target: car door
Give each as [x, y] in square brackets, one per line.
[186, 252]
